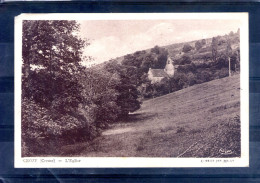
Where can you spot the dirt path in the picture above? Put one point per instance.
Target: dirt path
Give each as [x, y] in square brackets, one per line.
[118, 131]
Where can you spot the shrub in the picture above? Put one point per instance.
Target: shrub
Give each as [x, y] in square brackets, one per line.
[206, 49]
[36, 127]
[185, 60]
[231, 33]
[203, 41]
[187, 68]
[223, 72]
[155, 49]
[204, 76]
[202, 56]
[45, 131]
[186, 48]
[221, 62]
[221, 42]
[198, 45]
[191, 78]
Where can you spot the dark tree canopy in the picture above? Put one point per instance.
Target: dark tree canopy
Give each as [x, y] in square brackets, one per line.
[51, 91]
[185, 60]
[198, 45]
[155, 49]
[186, 48]
[51, 63]
[127, 98]
[203, 41]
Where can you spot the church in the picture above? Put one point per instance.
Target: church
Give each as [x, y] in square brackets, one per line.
[156, 75]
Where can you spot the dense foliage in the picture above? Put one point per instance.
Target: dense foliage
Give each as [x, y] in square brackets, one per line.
[212, 64]
[198, 45]
[62, 101]
[186, 48]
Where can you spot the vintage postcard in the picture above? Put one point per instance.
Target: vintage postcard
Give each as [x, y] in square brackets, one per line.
[131, 90]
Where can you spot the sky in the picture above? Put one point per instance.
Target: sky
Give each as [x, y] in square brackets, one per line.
[113, 38]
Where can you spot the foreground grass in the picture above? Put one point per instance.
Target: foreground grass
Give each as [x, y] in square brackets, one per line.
[199, 121]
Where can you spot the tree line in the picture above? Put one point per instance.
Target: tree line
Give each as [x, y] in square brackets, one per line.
[188, 72]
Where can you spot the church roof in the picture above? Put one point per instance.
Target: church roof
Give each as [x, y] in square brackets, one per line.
[158, 73]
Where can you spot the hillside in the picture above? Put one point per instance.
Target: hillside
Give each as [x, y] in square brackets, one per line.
[175, 49]
[203, 54]
[199, 121]
[195, 62]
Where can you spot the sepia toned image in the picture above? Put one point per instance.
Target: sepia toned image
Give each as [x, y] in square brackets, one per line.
[149, 89]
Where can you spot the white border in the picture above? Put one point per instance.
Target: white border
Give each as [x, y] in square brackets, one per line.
[98, 162]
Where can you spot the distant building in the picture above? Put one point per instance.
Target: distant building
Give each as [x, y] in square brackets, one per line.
[156, 75]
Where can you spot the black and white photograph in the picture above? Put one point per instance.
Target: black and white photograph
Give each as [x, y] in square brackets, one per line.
[131, 90]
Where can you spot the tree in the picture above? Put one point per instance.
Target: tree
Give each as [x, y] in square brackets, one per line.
[132, 60]
[191, 79]
[186, 48]
[51, 91]
[147, 62]
[161, 88]
[100, 96]
[203, 41]
[161, 59]
[238, 31]
[204, 76]
[155, 49]
[127, 98]
[231, 33]
[235, 60]
[221, 42]
[222, 61]
[214, 47]
[55, 51]
[198, 45]
[185, 60]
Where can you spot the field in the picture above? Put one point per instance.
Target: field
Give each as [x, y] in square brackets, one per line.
[198, 121]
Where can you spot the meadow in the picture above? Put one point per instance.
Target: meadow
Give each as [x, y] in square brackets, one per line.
[199, 121]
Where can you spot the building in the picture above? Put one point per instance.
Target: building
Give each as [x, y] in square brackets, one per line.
[156, 75]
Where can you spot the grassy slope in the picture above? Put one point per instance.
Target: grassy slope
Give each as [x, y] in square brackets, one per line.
[199, 121]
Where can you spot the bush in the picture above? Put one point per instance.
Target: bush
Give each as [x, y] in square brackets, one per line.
[155, 50]
[186, 48]
[206, 49]
[44, 131]
[204, 76]
[203, 41]
[198, 45]
[191, 79]
[185, 60]
[187, 68]
[221, 62]
[223, 72]
[222, 41]
[179, 81]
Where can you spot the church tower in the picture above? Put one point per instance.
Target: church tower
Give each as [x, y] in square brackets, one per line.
[169, 68]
